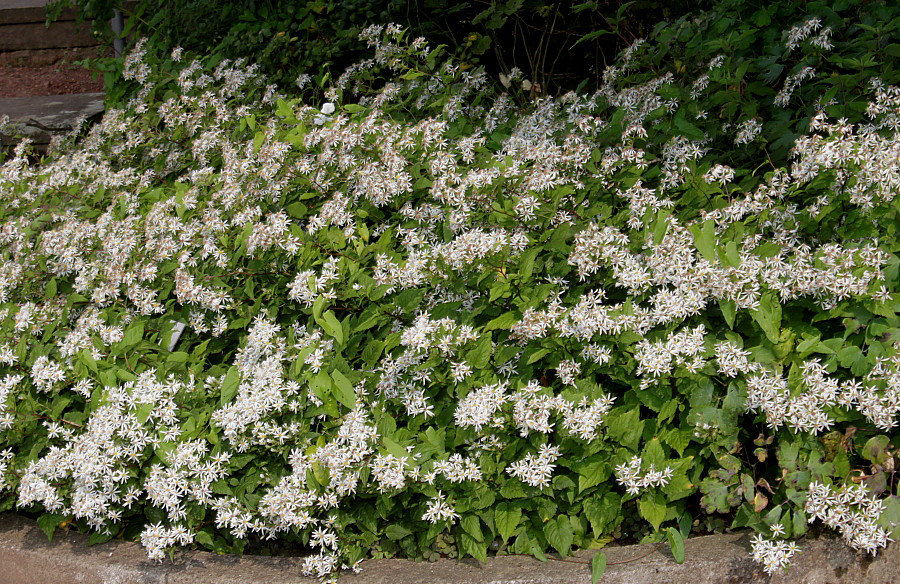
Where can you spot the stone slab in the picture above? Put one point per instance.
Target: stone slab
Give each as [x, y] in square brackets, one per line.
[36, 35]
[27, 557]
[19, 11]
[40, 118]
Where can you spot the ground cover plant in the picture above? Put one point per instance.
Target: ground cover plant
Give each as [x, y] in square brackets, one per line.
[426, 318]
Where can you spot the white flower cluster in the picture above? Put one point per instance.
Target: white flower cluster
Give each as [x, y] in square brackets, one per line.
[878, 400]
[439, 510]
[747, 131]
[532, 408]
[307, 286]
[536, 470]
[798, 34]
[719, 173]
[7, 415]
[5, 456]
[774, 555]
[157, 538]
[852, 510]
[477, 409]
[389, 471]
[682, 349]
[732, 360]
[630, 476]
[792, 83]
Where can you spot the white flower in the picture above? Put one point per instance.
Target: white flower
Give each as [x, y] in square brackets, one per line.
[327, 108]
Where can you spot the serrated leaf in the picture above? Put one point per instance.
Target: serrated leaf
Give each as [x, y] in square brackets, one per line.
[230, 385]
[396, 532]
[502, 322]
[471, 539]
[506, 518]
[537, 355]
[687, 129]
[652, 507]
[332, 327]
[480, 355]
[602, 513]
[768, 316]
[343, 389]
[625, 426]
[676, 544]
[48, 522]
[394, 448]
[559, 534]
[705, 240]
[598, 567]
[133, 334]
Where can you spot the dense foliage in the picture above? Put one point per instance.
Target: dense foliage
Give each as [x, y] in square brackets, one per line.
[559, 46]
[423, 318]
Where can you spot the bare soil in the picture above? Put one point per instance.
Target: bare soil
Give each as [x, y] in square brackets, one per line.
[57, 79]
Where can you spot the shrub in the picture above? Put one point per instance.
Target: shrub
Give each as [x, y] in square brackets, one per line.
[418, 320]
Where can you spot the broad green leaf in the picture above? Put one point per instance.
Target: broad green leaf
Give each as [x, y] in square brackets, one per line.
[394, 448]
[502, 322]
[48, 522]
[559, 534]
[506, 519]
[396, 532]
[625, 426]
[602, 513]
[230, 385]
[652, 507]
[480, 355]
[705, 240]
[333, 327]
[472, 539]
[768, 316]
[598, 567]
[344, 392]
[676, 544]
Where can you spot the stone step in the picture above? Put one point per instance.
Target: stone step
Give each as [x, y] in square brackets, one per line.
[41, 118]
[22, 27]
[28, 558]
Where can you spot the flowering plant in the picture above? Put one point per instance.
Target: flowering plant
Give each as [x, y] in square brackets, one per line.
[415, 320]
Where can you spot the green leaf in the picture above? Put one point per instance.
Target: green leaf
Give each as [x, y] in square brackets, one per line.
[230, 385]
[625, 426]
[876, 449]
[480, 355]
[471, 539]
[396, 532]
[705, 240]
[598, 567]
[537, 356]
[332, 327]
[502, 322]
[559, 534]
[344, 392]
[394, 448]
[890, 517]
[48, 522]
[768, 316]
[687, 129]
[506, 518]
[603, 513]
[652, 507]
[85, 357]
[676, 544]
[133, 334]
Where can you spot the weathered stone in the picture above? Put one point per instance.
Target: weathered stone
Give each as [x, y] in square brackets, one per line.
[40, 118]
[27, 557]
